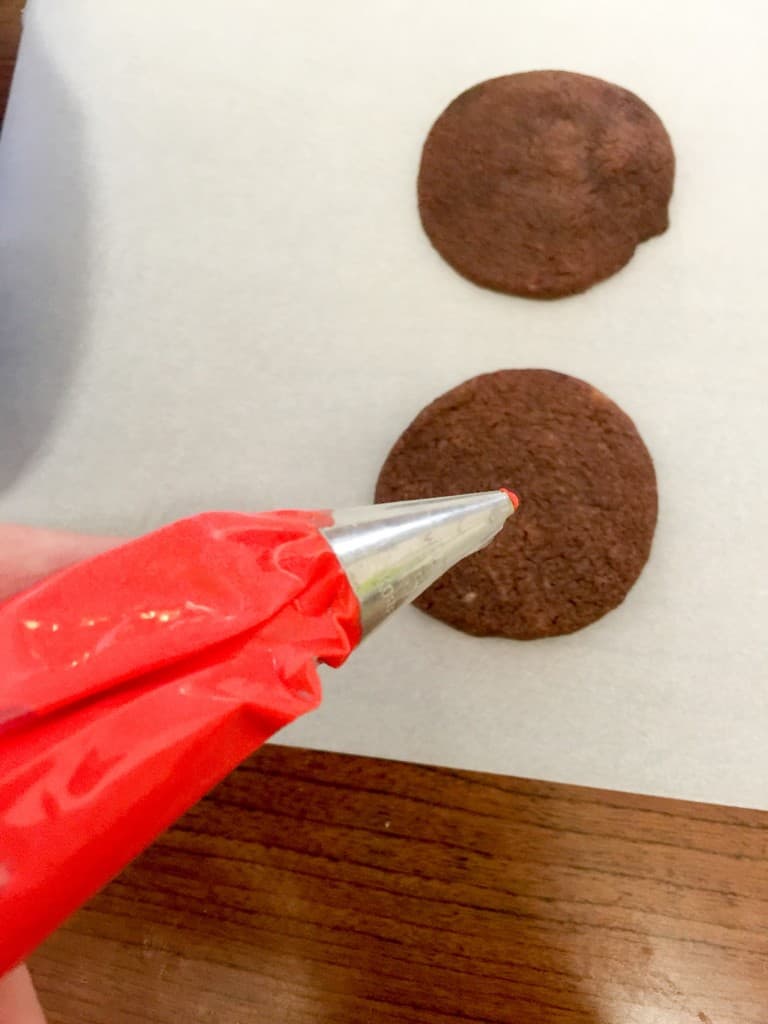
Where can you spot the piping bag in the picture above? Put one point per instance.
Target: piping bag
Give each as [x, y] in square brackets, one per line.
[133, 682]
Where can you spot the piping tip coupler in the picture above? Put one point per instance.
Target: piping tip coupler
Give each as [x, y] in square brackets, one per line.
[391, 553]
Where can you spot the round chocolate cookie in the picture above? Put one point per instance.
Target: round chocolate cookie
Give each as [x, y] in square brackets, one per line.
[587, 492]
[542, 184]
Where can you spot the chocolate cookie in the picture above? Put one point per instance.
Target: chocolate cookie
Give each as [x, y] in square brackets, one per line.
[542, 184]
[587, 500]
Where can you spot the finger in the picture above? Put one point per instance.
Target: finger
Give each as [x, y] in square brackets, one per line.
[28, 554]
[18, 1002]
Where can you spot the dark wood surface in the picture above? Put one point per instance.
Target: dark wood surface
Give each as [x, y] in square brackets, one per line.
[319, 889]
[316, 888]
[10, 24]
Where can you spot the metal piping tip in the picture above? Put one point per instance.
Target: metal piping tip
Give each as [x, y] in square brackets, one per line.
[392, 553]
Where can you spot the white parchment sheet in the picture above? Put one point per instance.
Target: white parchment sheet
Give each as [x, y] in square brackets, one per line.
[215, 292]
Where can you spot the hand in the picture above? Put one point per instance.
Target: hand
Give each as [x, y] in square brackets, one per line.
[27, 555]
[18, 1002]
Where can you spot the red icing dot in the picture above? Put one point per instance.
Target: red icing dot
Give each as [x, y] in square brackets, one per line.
[512, 497]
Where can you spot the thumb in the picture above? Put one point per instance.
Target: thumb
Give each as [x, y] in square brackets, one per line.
[28, 554]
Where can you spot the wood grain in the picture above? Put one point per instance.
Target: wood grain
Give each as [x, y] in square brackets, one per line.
[319, 889]
[10, 29]
[316, 887]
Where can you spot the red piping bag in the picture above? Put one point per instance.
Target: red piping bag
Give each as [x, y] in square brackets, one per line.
[131, 683]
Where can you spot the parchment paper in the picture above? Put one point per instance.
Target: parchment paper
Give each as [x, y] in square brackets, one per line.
[215, 292]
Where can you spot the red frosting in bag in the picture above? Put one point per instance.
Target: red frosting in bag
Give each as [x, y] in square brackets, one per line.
[132, 683]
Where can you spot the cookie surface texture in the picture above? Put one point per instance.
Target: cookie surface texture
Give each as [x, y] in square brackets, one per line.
[543, 183]
[588, 500]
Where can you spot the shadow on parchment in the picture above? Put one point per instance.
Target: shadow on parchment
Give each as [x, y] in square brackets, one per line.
[43, 254]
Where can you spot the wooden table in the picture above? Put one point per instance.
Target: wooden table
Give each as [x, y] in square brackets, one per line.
[317, 888]
[10, 17]
[314, 888]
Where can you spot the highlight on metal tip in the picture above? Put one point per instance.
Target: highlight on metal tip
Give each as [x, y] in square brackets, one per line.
[392, 552]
